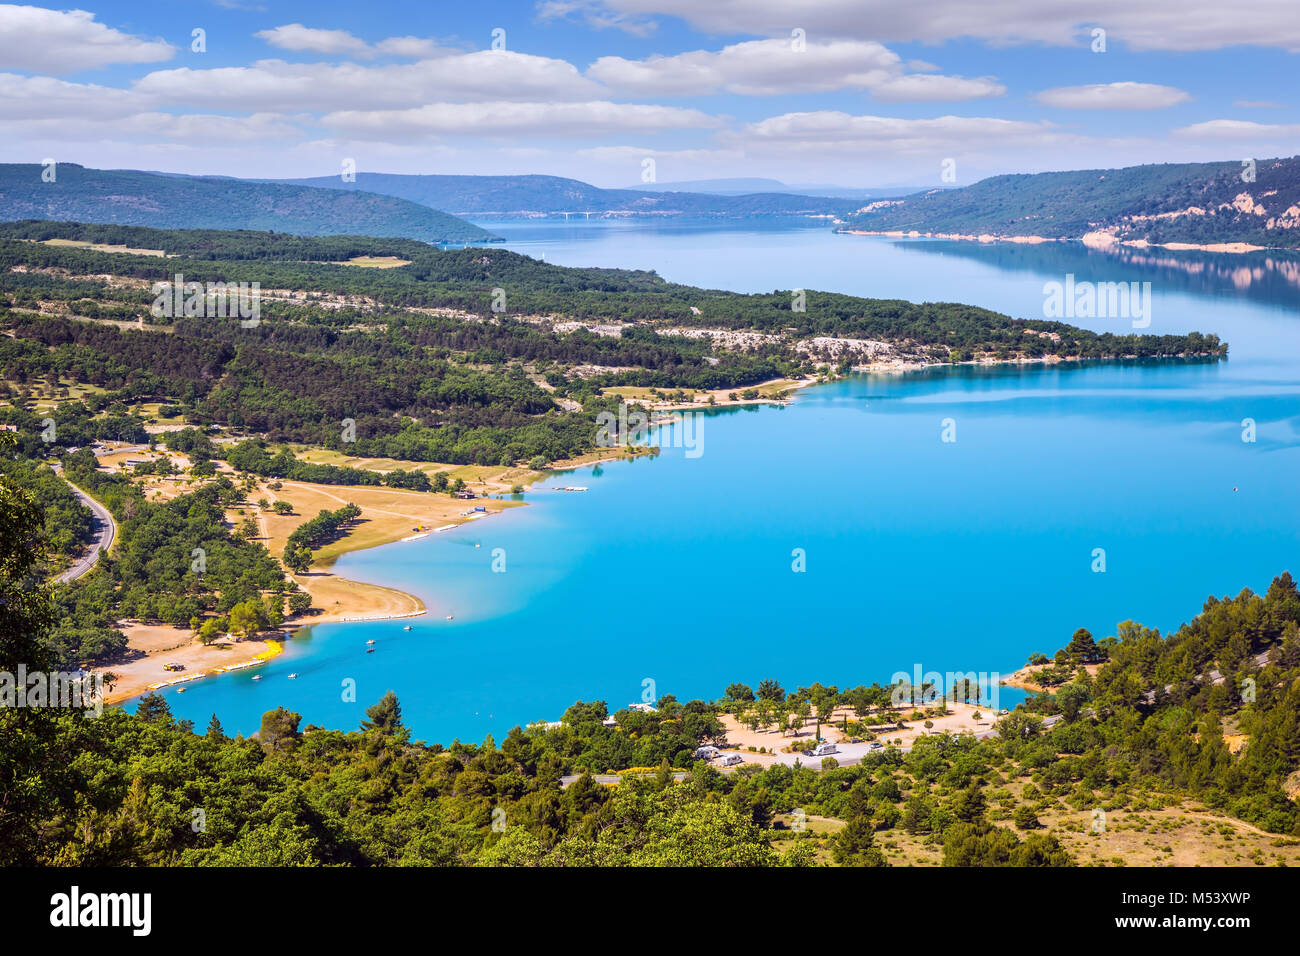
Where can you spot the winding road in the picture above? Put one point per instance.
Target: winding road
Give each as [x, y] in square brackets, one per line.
[105, 532]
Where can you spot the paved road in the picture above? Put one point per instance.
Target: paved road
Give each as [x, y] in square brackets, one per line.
[105, 531]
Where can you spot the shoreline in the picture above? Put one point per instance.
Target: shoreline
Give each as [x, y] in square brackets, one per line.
[356, 603]
[1092, 240]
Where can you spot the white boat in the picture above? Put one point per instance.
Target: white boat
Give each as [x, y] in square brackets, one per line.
[371, 641]
[293, 677]
[257, 677]
[449, 617]
[407, 628]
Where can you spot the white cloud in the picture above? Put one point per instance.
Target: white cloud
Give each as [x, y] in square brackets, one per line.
[299, 38]
[486, 75]
[777, 67]
[755, 68]
[541, 120]
[1187, 25]
[930, 88]
[1225, 129]
[193, 128]
[594, 15]
[43, 97]
[1113, 96]
[827, 131]
[410, 47]
[303, 39]
[68, 41]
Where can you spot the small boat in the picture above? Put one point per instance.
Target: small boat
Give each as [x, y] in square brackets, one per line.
[293, 677]
[180, 690]
[407, 628]
[370, 650]
[257, 677]
[371, 641]
[449, 617]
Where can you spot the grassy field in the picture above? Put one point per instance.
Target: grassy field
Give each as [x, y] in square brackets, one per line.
[99, 247]
[375, 262]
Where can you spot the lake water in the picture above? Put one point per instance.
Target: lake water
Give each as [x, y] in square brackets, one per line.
[918, 553]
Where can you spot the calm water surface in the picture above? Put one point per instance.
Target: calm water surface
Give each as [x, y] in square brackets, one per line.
[919, 553]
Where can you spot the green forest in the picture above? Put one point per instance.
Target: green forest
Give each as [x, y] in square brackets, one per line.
[419, 358]
[1135, 203]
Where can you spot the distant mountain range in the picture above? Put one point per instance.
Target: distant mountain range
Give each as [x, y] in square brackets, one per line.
[742, 186]
[1203, 204]
[1256, 203]
[513, 196]
[132, 198]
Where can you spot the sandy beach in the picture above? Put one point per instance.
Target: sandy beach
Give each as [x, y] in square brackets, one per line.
[152, 646]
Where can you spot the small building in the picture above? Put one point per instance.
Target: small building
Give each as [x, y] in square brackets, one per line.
[644, 708]
[466, 495]
[609, 722]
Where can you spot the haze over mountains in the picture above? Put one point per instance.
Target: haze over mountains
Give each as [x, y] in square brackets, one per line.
[506, 196]
[1207, 204]
[134, 198]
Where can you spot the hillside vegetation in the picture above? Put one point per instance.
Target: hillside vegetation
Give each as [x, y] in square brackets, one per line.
[1197, 203]
[131, 197]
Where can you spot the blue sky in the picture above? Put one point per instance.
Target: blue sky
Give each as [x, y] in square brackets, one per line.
[853, 92]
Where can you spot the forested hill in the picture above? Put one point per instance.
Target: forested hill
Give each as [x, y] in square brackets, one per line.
[1200, 203]
[525, 195]
[131, 197]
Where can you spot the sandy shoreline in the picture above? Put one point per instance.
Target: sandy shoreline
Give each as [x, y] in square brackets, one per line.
[159, 645]
[1093, 240]
[389, 517]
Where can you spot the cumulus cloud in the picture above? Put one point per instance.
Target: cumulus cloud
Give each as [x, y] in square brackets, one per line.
[542, 120]
[595, 16]
[1226, 129]
[192, 128]
[778, 66]
[1187, 25]
[59, 42]
[1114, 96]
[486, 75]
[44, 97]
[931, 88]
[830, 131]
[302, 39]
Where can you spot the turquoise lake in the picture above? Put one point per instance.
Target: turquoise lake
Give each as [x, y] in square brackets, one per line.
[920, 553]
